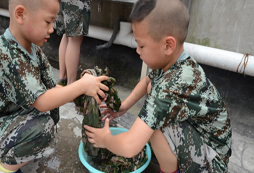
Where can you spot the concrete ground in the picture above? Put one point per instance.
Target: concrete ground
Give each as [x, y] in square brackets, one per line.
[68, 137]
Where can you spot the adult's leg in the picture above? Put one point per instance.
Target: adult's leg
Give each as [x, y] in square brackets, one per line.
[62, 57]
[72, 57]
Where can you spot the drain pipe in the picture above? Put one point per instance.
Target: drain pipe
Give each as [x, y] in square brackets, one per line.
[125, 36]
[115, 32]
[223, 59]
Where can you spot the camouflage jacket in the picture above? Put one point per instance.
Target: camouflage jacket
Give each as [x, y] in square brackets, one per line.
[23, 78]
[184, 93]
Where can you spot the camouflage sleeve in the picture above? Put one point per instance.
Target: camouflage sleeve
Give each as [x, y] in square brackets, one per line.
[179, 94]
[22, 82]
[156, 106]
[161, 107]
[48, 79]
[47, 75]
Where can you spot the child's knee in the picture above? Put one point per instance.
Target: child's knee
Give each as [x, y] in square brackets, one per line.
[32, 136]
[36, 133]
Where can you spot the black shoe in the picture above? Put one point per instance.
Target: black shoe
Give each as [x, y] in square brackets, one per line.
[62, 82]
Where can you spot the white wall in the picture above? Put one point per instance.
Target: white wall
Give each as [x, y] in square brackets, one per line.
[223, 24]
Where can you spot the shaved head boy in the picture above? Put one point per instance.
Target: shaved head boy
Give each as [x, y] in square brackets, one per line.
[183, 116]
[159, 14]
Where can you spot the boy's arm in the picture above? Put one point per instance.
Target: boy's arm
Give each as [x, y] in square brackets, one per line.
[57, 96]
[127, 144]
[138, 92]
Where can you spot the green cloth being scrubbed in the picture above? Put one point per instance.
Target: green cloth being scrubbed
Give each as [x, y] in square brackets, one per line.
[88, 106]
[106, 160]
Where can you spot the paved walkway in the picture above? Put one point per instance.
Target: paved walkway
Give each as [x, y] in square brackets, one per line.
[68, 137]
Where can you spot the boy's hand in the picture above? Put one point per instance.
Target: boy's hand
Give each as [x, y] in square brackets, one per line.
[97, 136]
[93, 86]
[110, 113]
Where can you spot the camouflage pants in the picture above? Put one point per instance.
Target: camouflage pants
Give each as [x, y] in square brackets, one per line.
[28, 137]
[73, 18]
[192, 153]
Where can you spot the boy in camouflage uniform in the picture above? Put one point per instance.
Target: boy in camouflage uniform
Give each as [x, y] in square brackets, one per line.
[184, 116]
[72, 21]
[29, 96]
